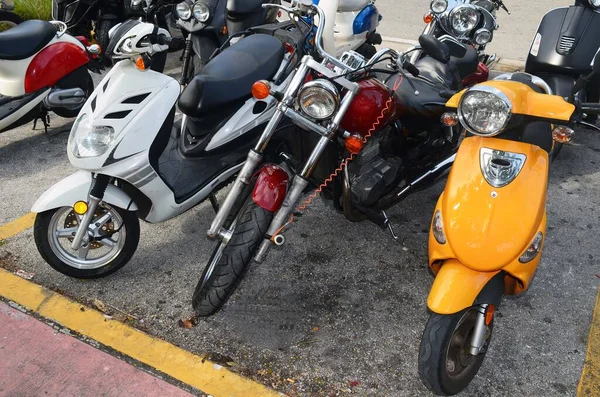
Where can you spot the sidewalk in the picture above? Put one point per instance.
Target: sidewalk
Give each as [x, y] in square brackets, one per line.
[37, 360]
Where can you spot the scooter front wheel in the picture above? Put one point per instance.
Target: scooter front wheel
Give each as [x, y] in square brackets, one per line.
[111, 241]
[229, 261]
[445, 365]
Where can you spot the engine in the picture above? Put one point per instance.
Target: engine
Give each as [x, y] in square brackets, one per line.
[373, 173]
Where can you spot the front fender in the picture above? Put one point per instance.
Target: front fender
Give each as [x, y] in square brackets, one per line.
[271, 187]
[457, 287]
[76, 187]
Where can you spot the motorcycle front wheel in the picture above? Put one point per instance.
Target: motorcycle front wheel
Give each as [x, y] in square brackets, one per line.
[445, 365]
[113, 237]
[229, 260]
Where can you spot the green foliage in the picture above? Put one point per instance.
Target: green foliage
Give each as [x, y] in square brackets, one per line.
[34, 9]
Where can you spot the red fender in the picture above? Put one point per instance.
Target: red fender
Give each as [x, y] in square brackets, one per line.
[271, 187]
[52, 64]
[479, 76]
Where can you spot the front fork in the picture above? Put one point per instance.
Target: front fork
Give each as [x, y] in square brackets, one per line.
[100, 183]
[478, 338]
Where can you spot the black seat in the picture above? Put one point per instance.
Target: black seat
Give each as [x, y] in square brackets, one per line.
[230, 75]
[449, 75]
[25, 39]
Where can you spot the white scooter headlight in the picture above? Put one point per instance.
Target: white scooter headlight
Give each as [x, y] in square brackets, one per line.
[183, 11]
[201, 11]
[319, 99]
[88, 140]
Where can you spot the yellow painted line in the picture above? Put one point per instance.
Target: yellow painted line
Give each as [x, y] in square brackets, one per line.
[178, 363]
[589, 383]
[17, 226]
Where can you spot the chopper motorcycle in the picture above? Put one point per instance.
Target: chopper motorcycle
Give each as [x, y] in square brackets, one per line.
[136, 162]
[563, 48]
[42, 69]
[472, 22]
[489, 224]
[391, 131]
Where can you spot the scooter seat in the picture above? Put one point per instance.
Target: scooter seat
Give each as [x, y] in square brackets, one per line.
[437, 71]
[25, 39]
[230, 75]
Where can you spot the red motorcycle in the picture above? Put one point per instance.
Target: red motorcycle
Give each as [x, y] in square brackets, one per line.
[43, 69]
[363, 142]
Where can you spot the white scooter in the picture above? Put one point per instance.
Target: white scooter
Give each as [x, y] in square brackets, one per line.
[135, 161]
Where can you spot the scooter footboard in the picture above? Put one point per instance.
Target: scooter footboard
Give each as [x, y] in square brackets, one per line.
[457, 287]
[75, 188]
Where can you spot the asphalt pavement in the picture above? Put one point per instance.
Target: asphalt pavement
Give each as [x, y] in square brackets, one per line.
[340, 308]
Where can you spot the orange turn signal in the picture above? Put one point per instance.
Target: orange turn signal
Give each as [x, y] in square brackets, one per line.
[261, 89]
[354, 144]
[563, 134]
[142, 62]
[489, 314]
[449, 119]
[428, 18]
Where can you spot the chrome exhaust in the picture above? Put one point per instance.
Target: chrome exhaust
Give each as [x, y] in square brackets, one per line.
[71, 98]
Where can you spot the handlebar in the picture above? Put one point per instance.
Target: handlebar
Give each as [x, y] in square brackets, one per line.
[591, 108]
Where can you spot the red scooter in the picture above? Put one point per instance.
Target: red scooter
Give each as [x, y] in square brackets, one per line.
[43, 69]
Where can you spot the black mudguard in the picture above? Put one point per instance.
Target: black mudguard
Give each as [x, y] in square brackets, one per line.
[492, 292]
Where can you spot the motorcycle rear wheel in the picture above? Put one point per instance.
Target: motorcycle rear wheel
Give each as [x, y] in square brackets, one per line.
[230, 260]
[8, 20]
[445, 365]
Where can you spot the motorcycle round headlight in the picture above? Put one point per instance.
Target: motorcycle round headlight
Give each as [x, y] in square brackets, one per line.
[438, 6]
[319, 99]
[464, 18]
[89, 140]
[183, 11]
[484, 111]
[483, 36]
[201, 11]
[595, 4]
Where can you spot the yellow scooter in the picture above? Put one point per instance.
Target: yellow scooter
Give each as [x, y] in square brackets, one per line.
[489, 225]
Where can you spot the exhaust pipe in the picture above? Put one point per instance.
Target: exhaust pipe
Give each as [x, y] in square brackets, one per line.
[70, 98]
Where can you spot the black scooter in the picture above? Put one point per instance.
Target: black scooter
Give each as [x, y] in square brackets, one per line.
[564, 46]
[207, 25]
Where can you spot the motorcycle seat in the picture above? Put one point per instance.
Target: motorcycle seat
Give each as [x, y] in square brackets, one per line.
[25, 39]
[230, 75]
[449, 74]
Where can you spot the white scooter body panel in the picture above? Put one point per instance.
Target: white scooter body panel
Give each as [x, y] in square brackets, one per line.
[12, 72]
[345, 39]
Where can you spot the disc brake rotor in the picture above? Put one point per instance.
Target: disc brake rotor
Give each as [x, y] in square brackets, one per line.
[106, 230]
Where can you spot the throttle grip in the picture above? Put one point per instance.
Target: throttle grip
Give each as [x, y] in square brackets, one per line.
[411, 68]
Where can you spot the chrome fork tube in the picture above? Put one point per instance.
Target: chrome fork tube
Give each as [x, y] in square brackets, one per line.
[85, 223]
[478, 338]
[255, 156]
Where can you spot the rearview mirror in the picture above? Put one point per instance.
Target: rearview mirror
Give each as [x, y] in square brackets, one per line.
[434, 48]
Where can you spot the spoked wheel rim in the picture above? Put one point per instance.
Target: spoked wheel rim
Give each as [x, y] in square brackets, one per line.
[105, 238]
[459, 363]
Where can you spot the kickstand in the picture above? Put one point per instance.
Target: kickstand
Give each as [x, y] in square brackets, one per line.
[45, 119]
[386, 222]
[214, 202]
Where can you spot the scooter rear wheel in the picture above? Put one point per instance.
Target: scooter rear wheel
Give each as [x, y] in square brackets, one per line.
[8, 20]
[79, 78]
[229, 261]
[445, 365]
[113, 239]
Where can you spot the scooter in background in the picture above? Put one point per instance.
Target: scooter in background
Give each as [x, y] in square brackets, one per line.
[42, 69]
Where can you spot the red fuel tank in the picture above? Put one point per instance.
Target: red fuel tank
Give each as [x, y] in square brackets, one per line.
[371, 107]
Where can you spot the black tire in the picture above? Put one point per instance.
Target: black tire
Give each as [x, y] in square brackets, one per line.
[218, 284]
[42, 241]
[101, 30]
[434, 350]
[8, 20]
[79, 78]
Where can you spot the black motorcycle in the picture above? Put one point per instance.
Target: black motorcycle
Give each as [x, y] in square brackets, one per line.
[563, 48]
[208, 25]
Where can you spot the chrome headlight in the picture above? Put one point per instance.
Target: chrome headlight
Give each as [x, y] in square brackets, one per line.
[483, 36]
[319, 99]
[484, 111]
[88, 140]
[201, 11]
[438, 6]
[183, 11]
[595, 4]
[464, 18]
